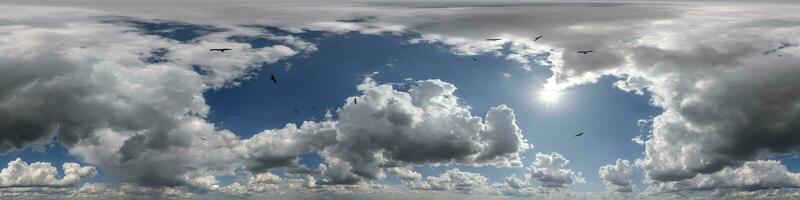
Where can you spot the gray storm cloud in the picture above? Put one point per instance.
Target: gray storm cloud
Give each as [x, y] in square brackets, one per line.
[751, 176]
[89, 85]
[725, 100]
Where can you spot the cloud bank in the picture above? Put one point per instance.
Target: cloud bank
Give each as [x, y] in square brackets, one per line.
[129, 101]
[41, 174]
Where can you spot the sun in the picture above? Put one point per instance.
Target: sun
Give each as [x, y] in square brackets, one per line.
[549, 96]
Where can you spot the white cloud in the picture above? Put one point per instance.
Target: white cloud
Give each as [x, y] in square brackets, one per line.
[452, 180]
[42, 174]
[725, 102]
[425, 125]
[550, 170]
[618, 177]
[283, 147]
[405, 173]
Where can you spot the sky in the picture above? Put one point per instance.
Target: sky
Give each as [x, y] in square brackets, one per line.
[399, 100]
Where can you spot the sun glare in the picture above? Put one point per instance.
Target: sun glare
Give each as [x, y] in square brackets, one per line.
[549, 96]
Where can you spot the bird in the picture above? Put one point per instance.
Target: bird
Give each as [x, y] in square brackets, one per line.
[585, 52]
[783, 46]
[355, 101]
[493, 39]
[537, 38]
[296, 111]
[272, 77]
[579, 134]
[474, 59]
[220, 50]
[204, 140]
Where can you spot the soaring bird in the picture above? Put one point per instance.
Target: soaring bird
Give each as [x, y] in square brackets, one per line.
[579, 134]
[474, 59]
[204, 140]
[585, 52]
[296, 111]
[493, 39]
[220, 50]
[272, 77]
[537, 38]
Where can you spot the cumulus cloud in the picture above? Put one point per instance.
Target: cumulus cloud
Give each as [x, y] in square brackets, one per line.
[42, 174]
[751, 176]
[550, 170]
[452, 180]
[104, 96]
[283, 147]
[425, 125]
[89, 83]
[724, 100]
[618, 177]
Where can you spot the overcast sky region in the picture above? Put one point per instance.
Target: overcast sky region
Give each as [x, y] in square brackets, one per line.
[399, 99]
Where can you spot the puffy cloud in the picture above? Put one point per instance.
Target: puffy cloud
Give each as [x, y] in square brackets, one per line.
[751, 176]
[283, 147]
[549, 169]
[92, 84]
[724, 100]
[42, 174]
[425, 125]
[515, 182]
[405, 173]
[452, 180]
[618, 177]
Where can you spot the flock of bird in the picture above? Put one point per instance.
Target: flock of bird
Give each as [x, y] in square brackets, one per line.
[355, 101]
[537, 39]
[584, 52]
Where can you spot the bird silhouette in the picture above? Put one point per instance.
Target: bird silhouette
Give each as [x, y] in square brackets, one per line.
[204, 140]
[355, 101]
[296, 111]
[585, 52]
[272, 77]
[579, 134]
[537, 38]
[474, 59]
[220, 50]
[493, 39]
